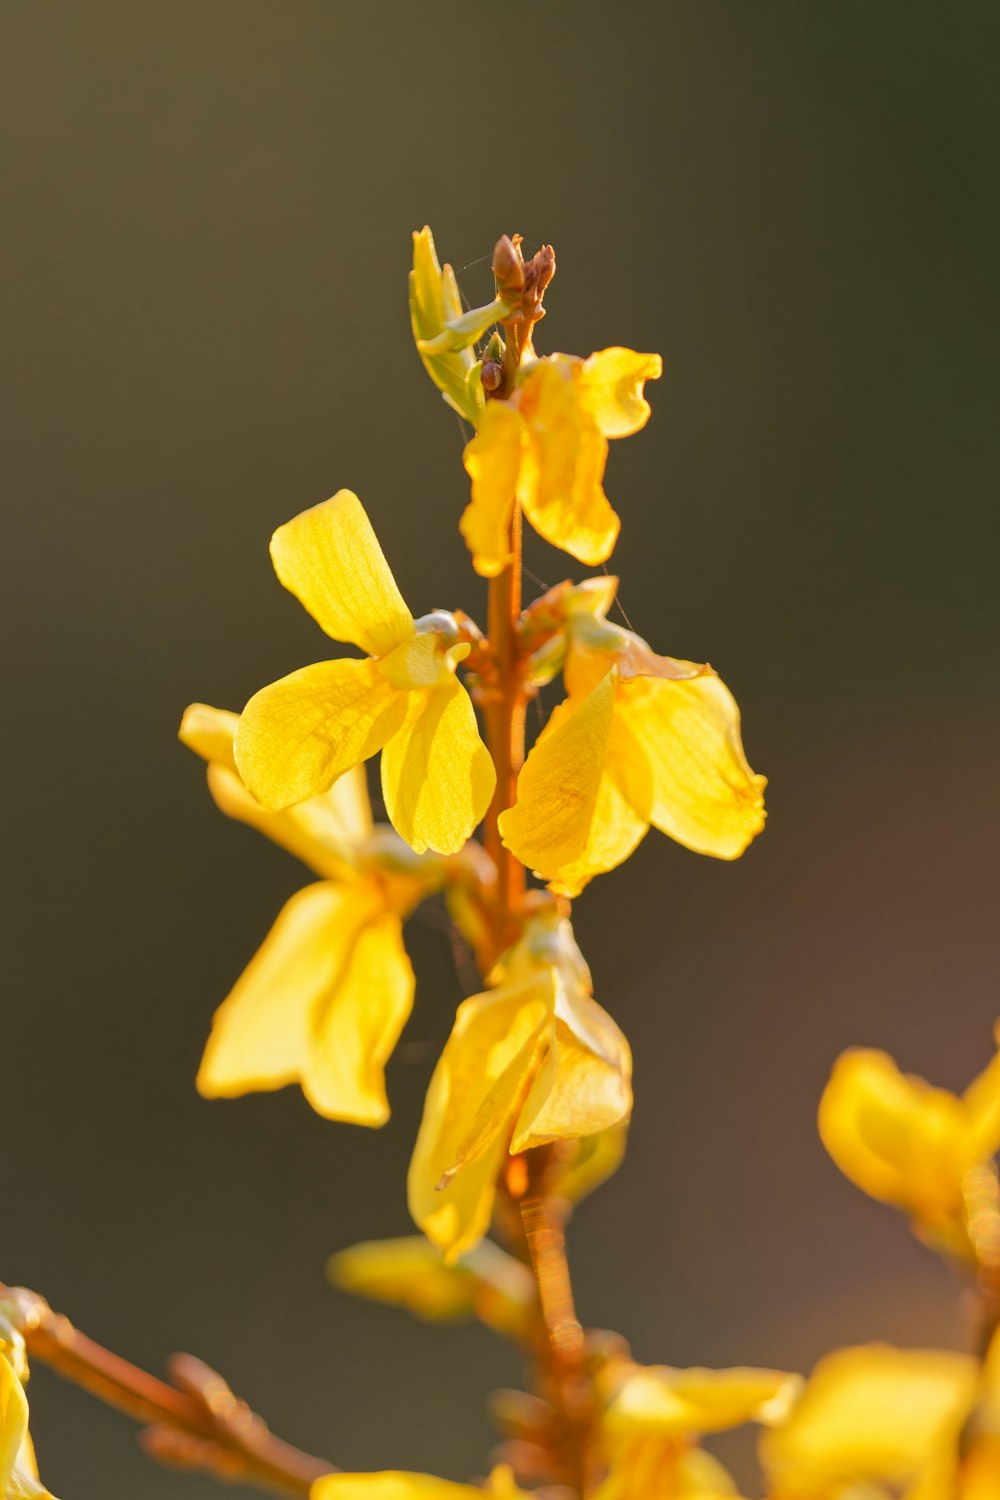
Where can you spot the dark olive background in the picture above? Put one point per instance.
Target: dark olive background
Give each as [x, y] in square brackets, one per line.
[206, 237]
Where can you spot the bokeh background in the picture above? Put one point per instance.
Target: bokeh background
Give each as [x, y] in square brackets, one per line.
[209, 206]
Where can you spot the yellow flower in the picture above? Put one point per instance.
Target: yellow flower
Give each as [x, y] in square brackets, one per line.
[396, 1485]
[18, 1470]
[324, 1000]
[909, 1144]
[870, 1415]
[434, 301]
[546, 447]
[298, 736]
[533, 1060]
[641, 740]
[412, 1273]
[655, 1415]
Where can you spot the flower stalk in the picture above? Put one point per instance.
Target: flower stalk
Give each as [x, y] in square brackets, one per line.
[195, 1422]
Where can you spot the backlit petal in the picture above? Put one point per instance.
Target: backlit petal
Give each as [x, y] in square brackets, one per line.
[895, 1137]
[562, 467]
[323, 832]
[394, 1484]
[704, 793]
[321, 1004]
[662, 1400]
[477, 1084]
[330, 559]
[437, 775]
[612, 383]
[493, 462]
[615, 831]
[872, 1413]
[548, 826]
[13, 1423]
[296, 737]
[584, 1083]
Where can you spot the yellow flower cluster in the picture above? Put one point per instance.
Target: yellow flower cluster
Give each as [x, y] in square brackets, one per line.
[530, 1100]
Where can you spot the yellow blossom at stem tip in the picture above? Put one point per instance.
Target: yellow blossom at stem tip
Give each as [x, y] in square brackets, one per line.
[298, 736]
[545, 449]
[323, 1001]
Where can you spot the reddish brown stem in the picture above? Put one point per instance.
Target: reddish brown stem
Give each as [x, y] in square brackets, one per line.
[196, 1423]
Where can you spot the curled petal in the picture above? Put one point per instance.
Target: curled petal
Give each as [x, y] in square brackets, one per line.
[493, 462]
[895, 1137]
[296, 737]
[473, 1100]
[330, 559]
[434, 301]
[584, 1084]
[703, 792]
[612, 383]
[209, 732]
[322, 1004]
[437, 775]
[548, 826]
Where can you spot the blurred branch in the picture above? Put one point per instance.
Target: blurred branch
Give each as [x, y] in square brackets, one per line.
[196, 1422]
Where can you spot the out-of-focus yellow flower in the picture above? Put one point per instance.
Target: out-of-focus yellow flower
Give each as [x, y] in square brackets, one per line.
[656, 1414]
[533, 1060]
[18, 1470]
[298, 736]
[641, 740]
[871, 1415]
[434, 301]
[909, 1144]
[396, 1485]
[487, 1284]
[324, 1000]
[546, 447]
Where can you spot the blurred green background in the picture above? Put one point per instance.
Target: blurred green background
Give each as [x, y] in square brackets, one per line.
[209, 208]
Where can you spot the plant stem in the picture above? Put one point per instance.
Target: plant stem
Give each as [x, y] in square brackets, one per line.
[505, 731]
[196, 1423]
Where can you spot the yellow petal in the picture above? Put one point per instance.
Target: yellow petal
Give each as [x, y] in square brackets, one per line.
[872, 1413]
[493, 462]
[323, 831]
[394, 1484]
[704, 794]
[434, 301]
[895, 1137]
[562, 467]
[612, 383]
[616, 829]
[982, 1109]
[298, 736]
[469, 1113]
[412, 1273]
[18, 1472]
[595, 1159]
[668, 1401]
[557, 790]
[209, 732]
[437, 775]
[13, 1423]
[584, 1084]
[322, 1004]
[330, 559]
